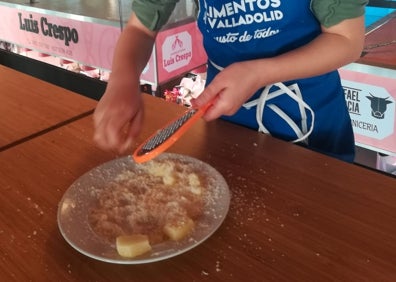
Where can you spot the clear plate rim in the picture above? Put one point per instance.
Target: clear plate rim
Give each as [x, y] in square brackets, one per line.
[143, 260]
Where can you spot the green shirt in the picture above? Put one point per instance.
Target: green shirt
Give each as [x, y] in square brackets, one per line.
[155, 13]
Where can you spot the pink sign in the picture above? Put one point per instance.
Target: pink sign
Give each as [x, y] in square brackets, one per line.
[371, 103]
[179, 50]
[86, 42]
[149, 73]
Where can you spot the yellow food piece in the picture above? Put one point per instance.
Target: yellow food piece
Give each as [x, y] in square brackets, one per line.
[131, 246]
[168, 179]
[160, 169]
[164, 170]
[193, 179]
[194, 184]
[179, 230]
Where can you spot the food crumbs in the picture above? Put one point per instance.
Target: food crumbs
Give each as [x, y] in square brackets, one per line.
[218, 269]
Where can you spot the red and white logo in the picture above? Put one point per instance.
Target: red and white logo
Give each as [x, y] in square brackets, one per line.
[176, 51]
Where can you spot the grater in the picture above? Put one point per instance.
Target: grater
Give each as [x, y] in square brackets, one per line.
[168, 135]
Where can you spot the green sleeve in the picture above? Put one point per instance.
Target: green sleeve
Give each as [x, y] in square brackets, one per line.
[332, 12]
[153, 13]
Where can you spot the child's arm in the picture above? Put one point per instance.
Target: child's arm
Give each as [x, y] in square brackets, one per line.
[119, 113]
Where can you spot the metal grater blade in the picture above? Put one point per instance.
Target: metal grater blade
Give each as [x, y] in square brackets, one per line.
[165, 133]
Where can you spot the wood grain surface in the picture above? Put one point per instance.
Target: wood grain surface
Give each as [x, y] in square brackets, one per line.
[380, 44]
[29, 106]
[295, 215]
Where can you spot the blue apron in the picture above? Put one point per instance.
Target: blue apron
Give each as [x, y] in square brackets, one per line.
[308, 111]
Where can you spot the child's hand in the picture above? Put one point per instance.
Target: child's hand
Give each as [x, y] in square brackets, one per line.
[118, 117]
[229, 90]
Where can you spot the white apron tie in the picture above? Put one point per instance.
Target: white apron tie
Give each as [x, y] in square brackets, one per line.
[293, 91]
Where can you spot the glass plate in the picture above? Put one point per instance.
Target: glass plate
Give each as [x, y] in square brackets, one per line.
[77, 201]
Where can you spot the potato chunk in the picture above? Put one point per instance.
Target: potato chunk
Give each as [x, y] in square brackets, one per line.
[194, 184]
[131, 246]
[164, 170]
[179, 230]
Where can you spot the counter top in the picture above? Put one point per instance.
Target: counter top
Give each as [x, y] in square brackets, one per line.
[295, 215]
[30, 106]
[380, 44]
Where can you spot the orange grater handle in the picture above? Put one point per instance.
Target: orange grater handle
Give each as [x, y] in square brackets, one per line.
[146, 156]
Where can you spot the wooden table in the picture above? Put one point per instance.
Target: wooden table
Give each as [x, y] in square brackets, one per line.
[380, 44]
[295, 215]
[30, 107]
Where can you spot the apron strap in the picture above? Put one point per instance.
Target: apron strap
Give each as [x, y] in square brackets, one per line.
[301, 133]
[293, 91]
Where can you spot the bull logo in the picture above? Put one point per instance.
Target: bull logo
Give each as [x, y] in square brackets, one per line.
[378, 106]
